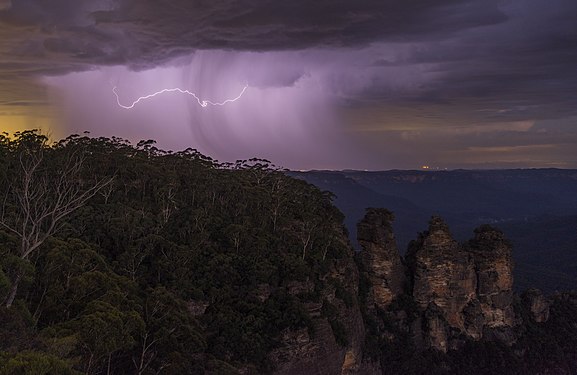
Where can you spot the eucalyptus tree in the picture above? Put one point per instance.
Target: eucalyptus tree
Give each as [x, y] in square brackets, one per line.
[42, 184]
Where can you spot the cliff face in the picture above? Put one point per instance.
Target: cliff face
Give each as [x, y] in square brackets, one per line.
[443, 274]
[459, 291]
[494, 268]
[440, 296]
[381, 258]
[335, 344]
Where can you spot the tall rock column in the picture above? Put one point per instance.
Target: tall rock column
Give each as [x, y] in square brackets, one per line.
[453, 292]
[443, 274]
[494, 266]
[380, 257]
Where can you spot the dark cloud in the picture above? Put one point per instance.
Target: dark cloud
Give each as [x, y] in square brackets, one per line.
[144, 32]
[52, 37]
[523, 68]
[41, 38]
[428, 66]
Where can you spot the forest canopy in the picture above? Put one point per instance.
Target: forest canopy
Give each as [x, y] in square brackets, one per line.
[127, 258]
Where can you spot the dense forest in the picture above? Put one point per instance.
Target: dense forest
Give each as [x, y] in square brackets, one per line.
[128, 259]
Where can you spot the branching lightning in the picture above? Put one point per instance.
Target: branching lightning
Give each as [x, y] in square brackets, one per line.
[202, 103]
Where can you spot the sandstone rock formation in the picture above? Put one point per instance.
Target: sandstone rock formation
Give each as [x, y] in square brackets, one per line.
[322, 352]
[440, 296]
[443, 273]
[380, 257]
[460, 291]
[494, 267]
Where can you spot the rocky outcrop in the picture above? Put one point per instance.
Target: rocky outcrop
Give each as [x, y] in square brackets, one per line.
[537, 304]
[334, 345]
[494, 268]
[443, 273]
[380, 257]
[470, 285]
[440, 296]
[435, 328]
[304, 354]
[460, 292]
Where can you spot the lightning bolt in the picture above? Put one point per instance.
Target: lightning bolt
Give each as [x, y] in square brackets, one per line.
[202, 103]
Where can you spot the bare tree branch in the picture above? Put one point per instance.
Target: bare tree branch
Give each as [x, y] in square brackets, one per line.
[41, 197]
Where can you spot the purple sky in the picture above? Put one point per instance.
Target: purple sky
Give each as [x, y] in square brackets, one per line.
[364, 84]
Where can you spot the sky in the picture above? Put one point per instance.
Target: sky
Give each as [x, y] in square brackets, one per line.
[339, 84]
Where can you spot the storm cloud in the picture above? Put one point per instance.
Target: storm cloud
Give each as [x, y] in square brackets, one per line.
[389, 83]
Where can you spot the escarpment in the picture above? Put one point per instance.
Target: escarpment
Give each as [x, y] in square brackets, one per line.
[443, 293]
[189, 266]
[333, 342]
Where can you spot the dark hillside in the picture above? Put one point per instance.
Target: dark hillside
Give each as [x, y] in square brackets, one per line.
[178, 264]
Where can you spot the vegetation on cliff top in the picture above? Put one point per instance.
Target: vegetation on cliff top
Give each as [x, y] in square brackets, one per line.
[162, 261]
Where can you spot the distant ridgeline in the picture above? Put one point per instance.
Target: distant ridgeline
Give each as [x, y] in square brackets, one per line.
[536, 208]
[127, 259]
